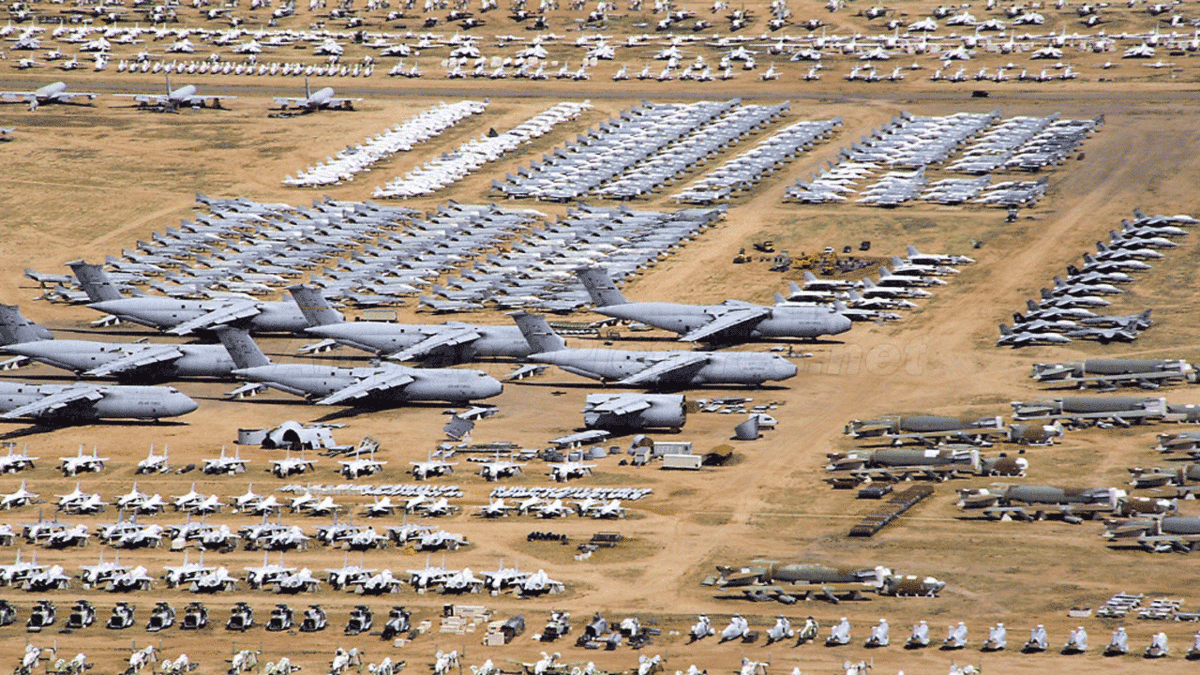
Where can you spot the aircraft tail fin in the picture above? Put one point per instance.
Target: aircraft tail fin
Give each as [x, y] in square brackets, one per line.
[779, 299]
[1005, 330]
[912, 251]
[794, 288]
[242, 348]
[538, 333]
[313, 305]
[600, 286]
[95, 282]
[1031, 305]
[16, 328]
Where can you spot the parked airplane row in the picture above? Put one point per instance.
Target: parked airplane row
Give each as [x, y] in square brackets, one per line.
[172, 100]
[1065, 312]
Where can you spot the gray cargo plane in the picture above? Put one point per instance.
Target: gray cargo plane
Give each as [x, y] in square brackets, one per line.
[823, 581]
[321, 99]
[130, 362]
[658, 370]
[378, 386]
[635, 411]
[183, 317]
[730, 322]
[67, 404]
[55, 92]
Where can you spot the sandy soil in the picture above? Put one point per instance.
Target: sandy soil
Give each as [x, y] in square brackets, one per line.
[85, 182]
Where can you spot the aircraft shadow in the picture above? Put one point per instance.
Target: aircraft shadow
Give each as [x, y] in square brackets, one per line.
[36, 429]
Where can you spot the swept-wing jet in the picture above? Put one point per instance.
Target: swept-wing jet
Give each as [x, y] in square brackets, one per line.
[225, 464]
[174, 99]
[183, 317]
[657, 370]
[383, 385]
[321, 99]
[75, 403]
[55, 92]
[1016, 337]
[127, 362]
[634, 411]
[730, 322]
[14, 463]
[431, 467]
[21, 497]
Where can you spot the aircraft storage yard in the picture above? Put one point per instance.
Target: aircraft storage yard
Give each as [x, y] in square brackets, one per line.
[912, 463]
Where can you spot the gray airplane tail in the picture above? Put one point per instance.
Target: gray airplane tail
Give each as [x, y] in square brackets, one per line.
[1033, 306]
[538, 333]
[779, 299]
[793, 288]
[242, 348]
[912, 251]
[313, 305]
[1005, 330]
[15, 328]
[94, 281]
[600, 286]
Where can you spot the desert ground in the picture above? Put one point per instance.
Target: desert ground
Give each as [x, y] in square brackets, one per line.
[86, 181]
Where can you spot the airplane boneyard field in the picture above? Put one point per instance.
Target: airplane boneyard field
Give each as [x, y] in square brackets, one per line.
[85, 182]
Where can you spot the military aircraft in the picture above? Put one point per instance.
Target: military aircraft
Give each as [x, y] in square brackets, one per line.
[432, 467]
[173, 99]
[634, 411]
[322, 99]
[1078, 410]
[731, 322]
[1034, 502]
[494, 509]
[183, 317]
[361, 466]
[14, 463]
[20, 497]
[1157, 533]
[896, 464]
[81, 463]
[498, 468]
[926, 429]
[658, 370]
[382, 385]
[1018, 337]
[55, 92]
[127, 362]
[224, 464]
[290, 466]
[764, 579]
[77, 403]
[434, 344]
[154, 463]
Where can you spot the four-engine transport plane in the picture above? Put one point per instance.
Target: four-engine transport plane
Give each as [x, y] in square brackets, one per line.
[765, 579]
[174, 99]
[1112, 373]
[382, 385]
[76, 403]
[656, 370]
[127, 362]
[321, 99]
[184, 317]
[55, 92]
[730, 322]
[896, 464]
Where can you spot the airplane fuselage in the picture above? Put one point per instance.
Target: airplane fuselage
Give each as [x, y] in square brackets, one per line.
[314, 381]
[81, 356]
[166, 313]
[390, 338]
[747, 368]
[116, 402]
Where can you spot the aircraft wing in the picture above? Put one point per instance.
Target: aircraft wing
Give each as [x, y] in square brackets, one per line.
[53, 402]
[284, 100]
[218, 317]
[440, 340]
[622, 405]
[674, 365]
[740, 317]
[68, 95]
[155, 99]
[340, 101]
[21, 95]
[382, 382]
[139, 359]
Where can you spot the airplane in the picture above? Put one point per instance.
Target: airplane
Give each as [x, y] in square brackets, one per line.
[383, 385]
[247, 501]
[72, 536]
[298, 582]
[378, 584]
[183, 317]
[21, 497]
[366, 539]
[1104, 335]
[1016, 337]
[135, 579]
[267, 573]
[767, 579]
[75, 403]
[658, 370]
[424, 470]
[213, 581]
[322, 99]
[11, 463]
[1121, 410]
[290, 466]
[564, 471]
[347, 575]
[539, 583]
[494, 509]
[380, 507]
[896, 464]
[154, 463]
[1110, 373]
[1033, 502]
[434, 344]
[555, 509]
[498, 469]
[225, 465]
[172, 99]
[51, 579]
[18, 571]
[80, 463]
[361, 466]
[94, 576]
[55, 92]
[733, 321]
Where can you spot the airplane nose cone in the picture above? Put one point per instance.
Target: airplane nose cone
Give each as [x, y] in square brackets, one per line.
[181, 404]
[785, 370]
[841, 324]
[488, 387]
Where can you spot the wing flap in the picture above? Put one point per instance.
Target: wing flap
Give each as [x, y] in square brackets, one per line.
[622, 405]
